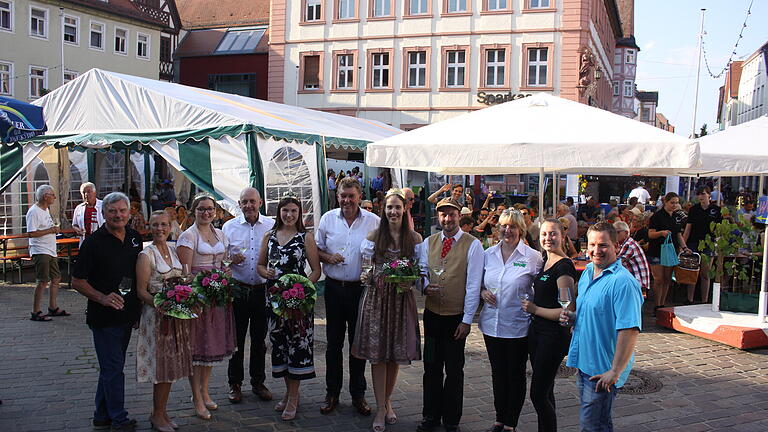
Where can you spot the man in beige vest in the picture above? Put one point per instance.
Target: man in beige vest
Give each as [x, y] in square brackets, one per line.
[452, 299]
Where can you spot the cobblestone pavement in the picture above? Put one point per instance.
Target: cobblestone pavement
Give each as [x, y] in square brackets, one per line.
[48, 375]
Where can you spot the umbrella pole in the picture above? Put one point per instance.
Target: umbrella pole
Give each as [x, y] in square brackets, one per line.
[555, 192]
[690, 183]
[763, 288]
[760, 186]
[541, 193]
[719, 191]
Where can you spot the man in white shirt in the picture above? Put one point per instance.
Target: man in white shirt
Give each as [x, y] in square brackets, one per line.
[563, 211]
[245, 234]
[87, 217]
[339, 236]
[450, 306]
[42, 248]
[640, 193]
[410, 198]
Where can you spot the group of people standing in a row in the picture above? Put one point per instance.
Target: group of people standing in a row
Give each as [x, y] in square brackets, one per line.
[521, 317]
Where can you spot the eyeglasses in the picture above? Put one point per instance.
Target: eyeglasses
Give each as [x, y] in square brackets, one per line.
[368, 208]
[206, 209]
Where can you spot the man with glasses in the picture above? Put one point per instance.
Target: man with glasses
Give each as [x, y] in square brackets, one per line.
[42, 248]
[245, 233]
[366, 205]
[410, 198]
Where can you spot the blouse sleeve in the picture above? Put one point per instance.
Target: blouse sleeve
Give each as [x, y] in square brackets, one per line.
[367, 247]
[187, 239]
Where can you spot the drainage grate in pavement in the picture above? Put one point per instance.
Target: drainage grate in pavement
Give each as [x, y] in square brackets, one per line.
[641, 383]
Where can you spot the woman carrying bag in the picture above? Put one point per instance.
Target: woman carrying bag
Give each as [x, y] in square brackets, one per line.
[665, 240]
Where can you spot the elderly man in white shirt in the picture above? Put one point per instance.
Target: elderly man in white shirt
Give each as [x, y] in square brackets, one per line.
[452, 299]
[340, 234]
[87, 217]
[41, 232]
[245, 234]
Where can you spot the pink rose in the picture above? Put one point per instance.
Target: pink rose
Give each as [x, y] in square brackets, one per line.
[170, 294]
[393, 264]
[206, 281]
[294, 292]
[215, 276]
[300, 295]
[297, 285]
[286, 295]
[224, 282]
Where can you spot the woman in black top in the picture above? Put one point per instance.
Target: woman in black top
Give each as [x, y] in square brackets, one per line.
[663, 223]
[548, 341]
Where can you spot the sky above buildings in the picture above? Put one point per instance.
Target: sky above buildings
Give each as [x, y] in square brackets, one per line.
[667, 34]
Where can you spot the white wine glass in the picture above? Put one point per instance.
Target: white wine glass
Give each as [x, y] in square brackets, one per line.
[367, 263]
[186, 273]
[493, 291]
[342, 251]
[273, 258]
[56, 222]
[564, 298]
[125, 286]
[439, 270]
[226, 260]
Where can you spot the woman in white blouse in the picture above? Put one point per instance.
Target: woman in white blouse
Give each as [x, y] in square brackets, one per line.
[510, 267]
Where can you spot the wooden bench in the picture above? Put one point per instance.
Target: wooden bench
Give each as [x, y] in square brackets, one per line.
[18, 254]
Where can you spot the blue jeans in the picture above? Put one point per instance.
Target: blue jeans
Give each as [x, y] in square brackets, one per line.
[111, 343]
[595, 413]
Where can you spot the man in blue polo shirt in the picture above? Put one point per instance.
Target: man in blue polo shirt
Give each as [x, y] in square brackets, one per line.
[607, 323]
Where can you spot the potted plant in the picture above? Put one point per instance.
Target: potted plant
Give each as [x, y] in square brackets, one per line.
[735, 260]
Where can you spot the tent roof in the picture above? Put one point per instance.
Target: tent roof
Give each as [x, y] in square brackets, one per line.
[102, 108]
[542, 131]
[736, 151]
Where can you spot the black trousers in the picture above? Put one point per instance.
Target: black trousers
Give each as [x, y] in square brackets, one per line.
[250, 314]
[443, 368]
[547, 344]
[341, 306]
[508, 357]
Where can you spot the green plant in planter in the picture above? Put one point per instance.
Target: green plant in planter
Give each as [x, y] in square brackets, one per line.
[727, 240]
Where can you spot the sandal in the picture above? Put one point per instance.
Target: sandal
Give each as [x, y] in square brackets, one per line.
[38, 316]
[390, 419]
[58, 312]
[289, 413]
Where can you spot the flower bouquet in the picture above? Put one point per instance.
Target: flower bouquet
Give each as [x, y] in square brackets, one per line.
[401, 271]
[177, 299]
[216, 286]
[292, 297]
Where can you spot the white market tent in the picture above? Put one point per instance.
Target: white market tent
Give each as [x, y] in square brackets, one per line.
[537, 134]
[222, 142]
[541, 132]
[737, 151]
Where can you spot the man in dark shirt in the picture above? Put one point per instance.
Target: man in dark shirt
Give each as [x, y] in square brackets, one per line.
[588, 212]
[106, 265]
[699, 223]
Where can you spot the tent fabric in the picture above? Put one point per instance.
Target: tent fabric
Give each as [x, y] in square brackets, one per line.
[106, 108]
[738, 150]
[541, 131]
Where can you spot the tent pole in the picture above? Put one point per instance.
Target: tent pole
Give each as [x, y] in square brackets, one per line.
[690, 183]
[541, 193]
[760, 184]
[555, 192]
[127, 172]
[719, 191]
[763, 287]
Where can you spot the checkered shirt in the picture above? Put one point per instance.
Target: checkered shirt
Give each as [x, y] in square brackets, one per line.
[633, 258]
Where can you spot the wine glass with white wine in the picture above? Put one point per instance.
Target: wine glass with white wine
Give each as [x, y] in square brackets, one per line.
[439, 270]
[564, 298]
[273, 259]
[125, 286]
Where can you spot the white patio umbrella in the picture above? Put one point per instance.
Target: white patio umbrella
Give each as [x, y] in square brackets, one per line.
[537, 134]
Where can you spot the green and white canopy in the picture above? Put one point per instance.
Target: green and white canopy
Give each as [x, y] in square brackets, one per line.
[222, 142]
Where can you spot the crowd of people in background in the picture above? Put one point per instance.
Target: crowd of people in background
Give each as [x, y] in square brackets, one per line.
[520, 268]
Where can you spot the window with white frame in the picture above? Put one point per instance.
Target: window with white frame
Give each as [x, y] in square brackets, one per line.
[537, 67]
[288, 172]
[382, 8]
[346, 9]
[6, 75]
[69, 76]
[418, 7]
[71, 29]
[536, 4]
[6, 15]
[616, 88]
[345, 70]
[417, 69]
[455, 68]
[495, 65]
[38, 22]
[313, 10]
[497, 5]
[142, 45]
[38, 81]
[380, 72]
[457, 6]
[96, 39]
[630, 56]
[121, 39]
[629, 89]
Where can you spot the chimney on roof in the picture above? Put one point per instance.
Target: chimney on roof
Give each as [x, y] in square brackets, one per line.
[627, 16]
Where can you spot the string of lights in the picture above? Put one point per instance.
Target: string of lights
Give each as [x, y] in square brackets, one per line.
[735, 46]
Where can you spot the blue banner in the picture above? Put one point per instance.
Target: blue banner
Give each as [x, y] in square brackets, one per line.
[19, 120]
[761, 213]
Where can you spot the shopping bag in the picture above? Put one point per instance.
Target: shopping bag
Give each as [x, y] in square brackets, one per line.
[668, 253]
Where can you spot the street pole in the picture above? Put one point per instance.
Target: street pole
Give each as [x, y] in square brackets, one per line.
[61, 21]
[698, 76]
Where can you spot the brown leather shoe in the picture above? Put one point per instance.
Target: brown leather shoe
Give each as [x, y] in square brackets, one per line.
[329, 405]
[362, 406]
[262, 392]
[235, 393]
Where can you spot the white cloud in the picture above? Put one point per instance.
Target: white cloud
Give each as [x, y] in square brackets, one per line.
[649, 46]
